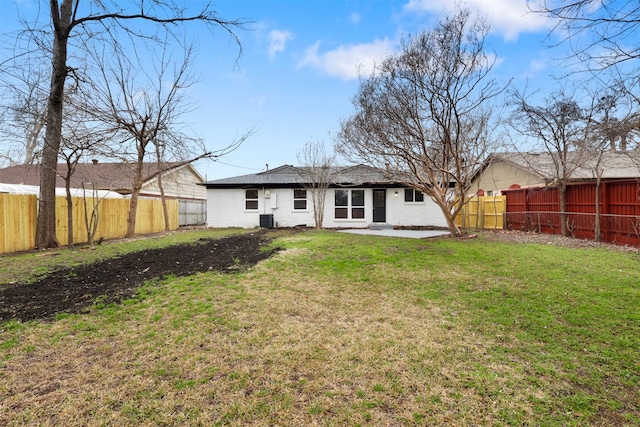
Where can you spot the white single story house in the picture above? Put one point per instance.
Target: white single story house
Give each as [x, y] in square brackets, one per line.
[358, 197]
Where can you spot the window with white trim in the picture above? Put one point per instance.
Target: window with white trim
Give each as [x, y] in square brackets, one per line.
[349, 204]
[251, 199]
[413, 196]
[300, 199]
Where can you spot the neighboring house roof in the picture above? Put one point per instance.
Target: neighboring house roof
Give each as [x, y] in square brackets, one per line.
[612, 164]
[297, 176]
[75, 192]
[106, 176]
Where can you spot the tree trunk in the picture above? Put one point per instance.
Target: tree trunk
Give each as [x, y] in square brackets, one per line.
[454, 231]
[165, 210]
[135, 193]
[46, 226]
[133, 208]
[597, 232]
[137, 184]
[440, 200]
[318, 195]
[91, 221]
[562, 195]
[67, 186]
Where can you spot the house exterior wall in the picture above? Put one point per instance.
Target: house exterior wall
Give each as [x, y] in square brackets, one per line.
[420, 214]
[226, 208]
[500, 176]
[179, 183]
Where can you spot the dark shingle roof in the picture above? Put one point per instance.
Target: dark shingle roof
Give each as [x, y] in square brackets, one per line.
[296, 176]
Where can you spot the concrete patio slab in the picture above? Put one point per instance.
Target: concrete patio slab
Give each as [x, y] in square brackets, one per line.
[411, 234]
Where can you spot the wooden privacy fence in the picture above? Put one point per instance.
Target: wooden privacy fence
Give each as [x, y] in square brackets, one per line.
[18, 214]
[618, 217]
[483, 212]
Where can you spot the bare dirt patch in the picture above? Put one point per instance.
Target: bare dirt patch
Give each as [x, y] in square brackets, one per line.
[516, 236]
[75, 289]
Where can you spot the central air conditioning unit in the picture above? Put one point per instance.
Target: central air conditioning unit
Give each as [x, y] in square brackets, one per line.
[266, 220]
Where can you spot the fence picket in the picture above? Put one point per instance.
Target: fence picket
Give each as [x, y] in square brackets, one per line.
[18, 215]
[537, 209]
[483, 212]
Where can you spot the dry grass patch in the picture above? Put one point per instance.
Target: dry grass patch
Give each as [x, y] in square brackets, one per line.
[309, 337]
[251, 350]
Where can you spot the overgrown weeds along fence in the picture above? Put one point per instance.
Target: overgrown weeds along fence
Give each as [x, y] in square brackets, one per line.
[617, 229]
[18, 216]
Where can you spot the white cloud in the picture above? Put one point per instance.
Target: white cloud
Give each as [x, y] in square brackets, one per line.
[355, 18]
[506, 17]
[347, 61]
[536, 66]
[277, 42]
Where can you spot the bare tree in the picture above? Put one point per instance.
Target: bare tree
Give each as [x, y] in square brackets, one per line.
[600, 132]
[603, 42]
[24, 112]
[601, 34]
[558, 126]
[80, 21]
[143, 107]
[80, 136]
[424, 113]
[91, 216]
[26, 108]
[317, 170]
[611, 126]
[160, 155]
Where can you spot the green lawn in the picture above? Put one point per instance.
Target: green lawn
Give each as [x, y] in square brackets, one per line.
[342, 329]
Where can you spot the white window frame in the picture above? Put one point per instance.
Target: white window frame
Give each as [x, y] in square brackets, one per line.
[350, 207]
[414, 192]
[248, 200]
[299, 199]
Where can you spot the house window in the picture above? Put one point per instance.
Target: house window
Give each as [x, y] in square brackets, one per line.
[299, 199]
[251, 199]
[342, 203]
[411, 195]
[349, 202]
[357, 204]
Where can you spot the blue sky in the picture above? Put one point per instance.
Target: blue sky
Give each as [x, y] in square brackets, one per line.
[299, 67]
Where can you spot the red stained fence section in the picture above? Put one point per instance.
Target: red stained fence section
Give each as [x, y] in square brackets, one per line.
[538, 209]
